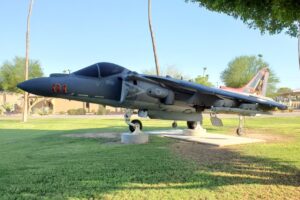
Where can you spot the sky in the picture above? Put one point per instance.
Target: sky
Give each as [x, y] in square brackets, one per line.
[71, 34]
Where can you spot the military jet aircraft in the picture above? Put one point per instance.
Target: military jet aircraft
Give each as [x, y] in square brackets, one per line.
[155, 97]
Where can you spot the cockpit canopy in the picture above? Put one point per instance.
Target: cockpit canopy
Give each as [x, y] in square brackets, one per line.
[100, 70]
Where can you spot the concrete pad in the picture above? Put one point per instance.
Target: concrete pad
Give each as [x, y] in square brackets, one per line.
[164, 132]
[129, 138]
[206, 138]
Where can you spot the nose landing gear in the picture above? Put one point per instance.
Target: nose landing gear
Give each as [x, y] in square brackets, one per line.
[135, 126]
[136, 136]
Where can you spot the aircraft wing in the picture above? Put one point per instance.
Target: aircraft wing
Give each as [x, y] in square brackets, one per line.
[198, 88]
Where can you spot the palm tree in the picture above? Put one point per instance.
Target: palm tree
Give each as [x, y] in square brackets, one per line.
[152, 37]
[299, 43]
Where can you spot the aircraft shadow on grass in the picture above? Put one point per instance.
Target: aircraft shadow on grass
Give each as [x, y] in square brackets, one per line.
[48, 163]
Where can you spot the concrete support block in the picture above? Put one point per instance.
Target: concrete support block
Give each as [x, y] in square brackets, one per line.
[129, 138]
[198, 131]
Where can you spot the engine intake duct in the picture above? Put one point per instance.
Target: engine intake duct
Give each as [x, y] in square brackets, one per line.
[161, 93]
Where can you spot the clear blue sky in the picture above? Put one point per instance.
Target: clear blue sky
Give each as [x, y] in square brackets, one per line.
[72, 34]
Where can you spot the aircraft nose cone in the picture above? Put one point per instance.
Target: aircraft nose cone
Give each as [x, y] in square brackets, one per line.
[26, 86]
[38, 86]
[23, 86]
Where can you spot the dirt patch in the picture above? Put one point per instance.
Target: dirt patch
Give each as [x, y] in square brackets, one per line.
[204, 154]
[208, 154]
[270, 138]
[95, 135]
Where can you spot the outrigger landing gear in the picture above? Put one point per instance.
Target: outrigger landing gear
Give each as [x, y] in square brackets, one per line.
[240, 130]
[135, 126]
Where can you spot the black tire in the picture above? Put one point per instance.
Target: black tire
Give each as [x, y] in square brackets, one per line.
[135, 121]
[191, 124]
[240, 131]
[174, 125]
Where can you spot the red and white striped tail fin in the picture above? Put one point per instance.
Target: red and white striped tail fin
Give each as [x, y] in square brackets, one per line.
[257, 85]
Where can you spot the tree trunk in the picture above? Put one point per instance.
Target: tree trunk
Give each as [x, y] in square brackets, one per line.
[25, 105]
[4, 98]
[152, 37]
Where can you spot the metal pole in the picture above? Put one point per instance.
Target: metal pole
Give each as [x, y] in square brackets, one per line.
[204, 70]
[299, 43]
[153, 38]
[25, 105]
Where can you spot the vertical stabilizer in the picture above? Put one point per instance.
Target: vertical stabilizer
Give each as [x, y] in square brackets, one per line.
[257, 85]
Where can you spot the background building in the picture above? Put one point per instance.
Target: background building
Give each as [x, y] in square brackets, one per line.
[12, 103]
[291, 99]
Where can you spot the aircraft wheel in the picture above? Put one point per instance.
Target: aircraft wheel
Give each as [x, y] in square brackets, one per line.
[136, 122]
[174, 125]
[240, 131]
[191, 124]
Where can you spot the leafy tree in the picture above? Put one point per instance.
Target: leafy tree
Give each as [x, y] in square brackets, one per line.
[203, 80]
[175, 73]
[171, 70]
[283, 90]
[1, 80]
[12, 73]
[273, 16]
[242, 69]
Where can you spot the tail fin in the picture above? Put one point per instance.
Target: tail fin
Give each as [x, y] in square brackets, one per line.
[257, 85]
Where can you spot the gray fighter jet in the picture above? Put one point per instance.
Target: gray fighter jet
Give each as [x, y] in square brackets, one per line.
[155, 97]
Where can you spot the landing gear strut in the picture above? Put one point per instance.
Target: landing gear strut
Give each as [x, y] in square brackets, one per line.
[135, 126]
[240, 130]
[174, 124]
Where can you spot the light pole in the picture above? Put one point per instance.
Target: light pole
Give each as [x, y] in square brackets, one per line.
[204, 70]
[153, 38]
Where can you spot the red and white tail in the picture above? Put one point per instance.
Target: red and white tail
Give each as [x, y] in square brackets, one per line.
[257, 85]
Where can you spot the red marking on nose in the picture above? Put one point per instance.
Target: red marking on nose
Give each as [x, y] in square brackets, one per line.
[53, 88]
[65, 89]
[57, 88]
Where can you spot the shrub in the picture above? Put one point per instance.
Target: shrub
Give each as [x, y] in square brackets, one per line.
[45, 111]
[8, 107]
[101, 110]
[78, 111]
[42, 111]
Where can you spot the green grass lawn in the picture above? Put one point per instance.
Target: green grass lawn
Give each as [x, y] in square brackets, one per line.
[37, 162]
